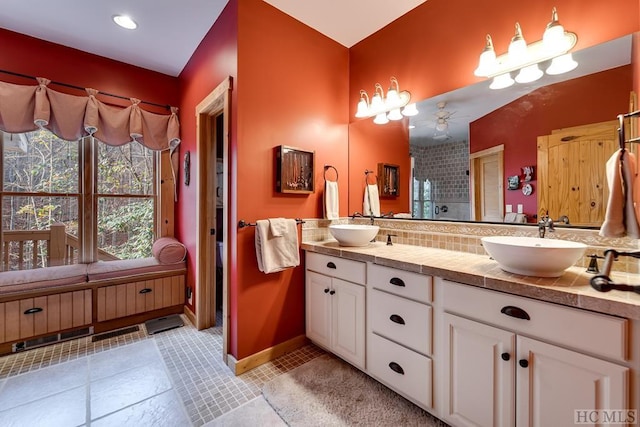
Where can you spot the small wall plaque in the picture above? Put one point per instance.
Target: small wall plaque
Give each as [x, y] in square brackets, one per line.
[513, 182]
[295, 170]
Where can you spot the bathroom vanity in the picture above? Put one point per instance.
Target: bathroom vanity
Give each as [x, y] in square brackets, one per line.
[470, 343]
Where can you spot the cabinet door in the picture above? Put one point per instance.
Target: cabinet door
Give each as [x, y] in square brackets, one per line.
[347, 305]
[318, 309]
[553, 383]
[479, 369]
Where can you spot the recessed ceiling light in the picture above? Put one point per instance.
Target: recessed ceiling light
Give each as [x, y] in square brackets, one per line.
[125, 22]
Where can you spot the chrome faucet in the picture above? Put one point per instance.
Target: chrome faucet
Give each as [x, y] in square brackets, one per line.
[545, 223]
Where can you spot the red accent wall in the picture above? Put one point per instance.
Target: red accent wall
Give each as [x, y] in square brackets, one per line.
[27, 55]
[215, 59]
[562, 105]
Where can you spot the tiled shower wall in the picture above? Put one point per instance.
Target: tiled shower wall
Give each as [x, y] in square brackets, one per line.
[465, 237]
[446, 166]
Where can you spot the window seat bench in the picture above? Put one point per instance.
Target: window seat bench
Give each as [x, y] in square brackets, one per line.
[36, 305]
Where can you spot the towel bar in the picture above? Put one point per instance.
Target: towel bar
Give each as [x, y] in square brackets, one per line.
[602, 282]
[242, 223]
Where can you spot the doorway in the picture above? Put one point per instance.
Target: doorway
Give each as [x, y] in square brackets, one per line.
[212, 228]
[486, 173]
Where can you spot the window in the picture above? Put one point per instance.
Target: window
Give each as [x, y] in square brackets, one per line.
[51, 214]
[422, 199]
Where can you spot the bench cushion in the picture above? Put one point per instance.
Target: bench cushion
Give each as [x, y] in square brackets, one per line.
[129, 267]
[27, 280]
[168, 250]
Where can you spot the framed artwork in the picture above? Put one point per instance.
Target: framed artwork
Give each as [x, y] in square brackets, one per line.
[295, 170]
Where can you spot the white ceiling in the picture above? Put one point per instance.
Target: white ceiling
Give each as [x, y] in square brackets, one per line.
[169, 31]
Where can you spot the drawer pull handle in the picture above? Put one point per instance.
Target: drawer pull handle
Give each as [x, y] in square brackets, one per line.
[33, 310]
[505, 356]
[397, 282]
[326, 291]
[332, 292]
[331, 265]
[396, 319]
[396, 368]
[145, 290]
[516, 312]
[524, 363]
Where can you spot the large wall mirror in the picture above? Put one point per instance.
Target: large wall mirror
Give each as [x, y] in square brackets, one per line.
[474, 153]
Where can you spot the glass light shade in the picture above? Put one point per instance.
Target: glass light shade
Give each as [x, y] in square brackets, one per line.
[363, 109]
[529, 74]
[377, 104]
[561, 64]
[486, 64]
[442, 125]
[518, 47]
[410, 110]
[393, 99]
[125, 22]
[502, 81]
[554, 40]
[381, 119]
[395, 114]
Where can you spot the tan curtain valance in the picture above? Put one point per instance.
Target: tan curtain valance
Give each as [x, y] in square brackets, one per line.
[27, 108]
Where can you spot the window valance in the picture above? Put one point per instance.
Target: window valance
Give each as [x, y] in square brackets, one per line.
[26, 108]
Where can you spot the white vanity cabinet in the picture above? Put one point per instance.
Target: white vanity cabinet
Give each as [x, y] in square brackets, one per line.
[335, 306]
[509, 360]
[400, 331]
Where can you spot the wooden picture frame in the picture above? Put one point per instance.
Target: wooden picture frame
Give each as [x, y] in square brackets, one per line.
[295, 170]
[388, 180]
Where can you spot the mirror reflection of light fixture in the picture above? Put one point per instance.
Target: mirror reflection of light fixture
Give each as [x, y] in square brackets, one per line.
[394, 106]
[525, 58]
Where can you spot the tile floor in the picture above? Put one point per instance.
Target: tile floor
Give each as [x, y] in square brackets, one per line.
[174, 378]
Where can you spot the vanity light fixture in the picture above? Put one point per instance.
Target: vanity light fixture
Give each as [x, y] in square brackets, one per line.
[525, 58]
[394, 106]
[125, 22]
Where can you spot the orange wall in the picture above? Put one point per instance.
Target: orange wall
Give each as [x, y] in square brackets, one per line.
[570, 103]
[35, 57]
[214, 61]
[292, 90]
[365, 153]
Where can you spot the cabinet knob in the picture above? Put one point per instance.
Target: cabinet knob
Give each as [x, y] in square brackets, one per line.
[516, 312]
[332, 292]
[505, 356]
[397, 282]
[331, 265]
[396, 319]
[396, 368]
[524, 363]
[326, 291]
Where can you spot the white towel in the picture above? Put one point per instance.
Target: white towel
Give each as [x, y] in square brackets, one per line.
[620, 217]
[277, 226]
[331, 200]
[371, 203]
[276, 253]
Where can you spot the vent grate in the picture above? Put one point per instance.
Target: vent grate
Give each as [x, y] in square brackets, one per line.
[112, 334]
[50, 339]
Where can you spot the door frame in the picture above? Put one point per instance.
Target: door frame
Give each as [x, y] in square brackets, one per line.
[474, 162]
[214, 104]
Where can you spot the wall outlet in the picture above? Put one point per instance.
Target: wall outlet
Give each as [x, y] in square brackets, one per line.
[189, 295]
[509, 208]
[520, 208]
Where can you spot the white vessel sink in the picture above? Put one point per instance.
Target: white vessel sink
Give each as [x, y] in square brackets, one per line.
[533, 256]
[353, 234]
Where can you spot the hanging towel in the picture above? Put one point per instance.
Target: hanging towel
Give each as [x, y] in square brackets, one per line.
[620, 217]
[331, 200]
[371, 203]
[277, 226]
[276, 253]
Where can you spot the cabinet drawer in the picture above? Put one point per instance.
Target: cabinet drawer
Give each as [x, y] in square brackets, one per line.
[401, 320]
[583, 330]
[403, 370]
[345, 269]
[402, 283]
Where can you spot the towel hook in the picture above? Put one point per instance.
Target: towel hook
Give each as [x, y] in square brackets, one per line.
[327, 167]
[367, 172]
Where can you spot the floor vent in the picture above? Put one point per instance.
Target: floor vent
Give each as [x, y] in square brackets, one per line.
[50, 339]
[163, 324]
[112, 334]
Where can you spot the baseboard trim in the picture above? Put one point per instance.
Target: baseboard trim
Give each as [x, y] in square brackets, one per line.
[243, 365]
[190, 315]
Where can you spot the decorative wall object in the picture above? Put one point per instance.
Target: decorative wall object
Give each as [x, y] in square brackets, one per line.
[388, 180]
[295, 170]
[527, 189]
[187, 168]
[528, 173]
[513, 182]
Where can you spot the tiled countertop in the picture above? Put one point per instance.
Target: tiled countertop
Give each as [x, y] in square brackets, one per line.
[571, 289]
